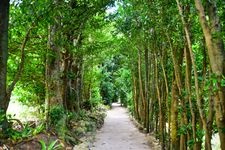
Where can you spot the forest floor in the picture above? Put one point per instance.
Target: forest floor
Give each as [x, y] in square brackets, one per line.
[119, 133]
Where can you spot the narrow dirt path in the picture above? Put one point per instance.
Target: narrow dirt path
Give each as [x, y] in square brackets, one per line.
[119, 133]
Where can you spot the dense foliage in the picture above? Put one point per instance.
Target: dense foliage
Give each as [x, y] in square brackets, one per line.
[164, 60]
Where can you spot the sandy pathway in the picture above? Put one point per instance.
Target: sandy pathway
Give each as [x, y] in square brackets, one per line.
[119, 133]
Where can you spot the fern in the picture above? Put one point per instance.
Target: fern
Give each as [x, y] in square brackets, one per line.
[52, 145]
[43, 145]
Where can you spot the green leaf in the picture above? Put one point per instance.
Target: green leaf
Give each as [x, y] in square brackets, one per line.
[53, 145]
[43, 145]
[223, 82]
[38, 129]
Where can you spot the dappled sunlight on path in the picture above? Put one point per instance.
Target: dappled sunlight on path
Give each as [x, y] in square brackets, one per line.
[119, 133]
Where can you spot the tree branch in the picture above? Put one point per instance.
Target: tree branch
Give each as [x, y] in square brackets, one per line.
[21, 65]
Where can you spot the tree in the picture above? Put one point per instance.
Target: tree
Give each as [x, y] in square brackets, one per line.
[4, 21]
[216, 53]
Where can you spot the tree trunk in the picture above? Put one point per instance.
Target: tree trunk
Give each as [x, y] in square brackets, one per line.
[79, 83]
[135, 97]
[160, 105]
[65, 87]
[4, 21]
[143, 100]
[188, 96]
[147, 69]
[152, 96]
[177, 57]
[53, 82]
[163, 59]
[174, 117]
[54, 69]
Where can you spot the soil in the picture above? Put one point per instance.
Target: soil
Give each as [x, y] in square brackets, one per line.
[119, 133]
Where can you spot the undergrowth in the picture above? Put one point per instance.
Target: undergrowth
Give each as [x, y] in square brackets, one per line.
[67, 128]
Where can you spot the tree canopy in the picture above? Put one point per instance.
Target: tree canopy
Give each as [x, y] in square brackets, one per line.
[163, 60]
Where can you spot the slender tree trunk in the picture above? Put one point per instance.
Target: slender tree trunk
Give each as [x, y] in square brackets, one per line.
[143, 100]
[47, 92]
[155, 108]
[211, 114]
[160, 105]
[4, 21]
[147, 69]
[174, 117]
[152, 95]
[163, 58]
[177, 58]
[188, 97]
[184, 119]
[135, 97]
